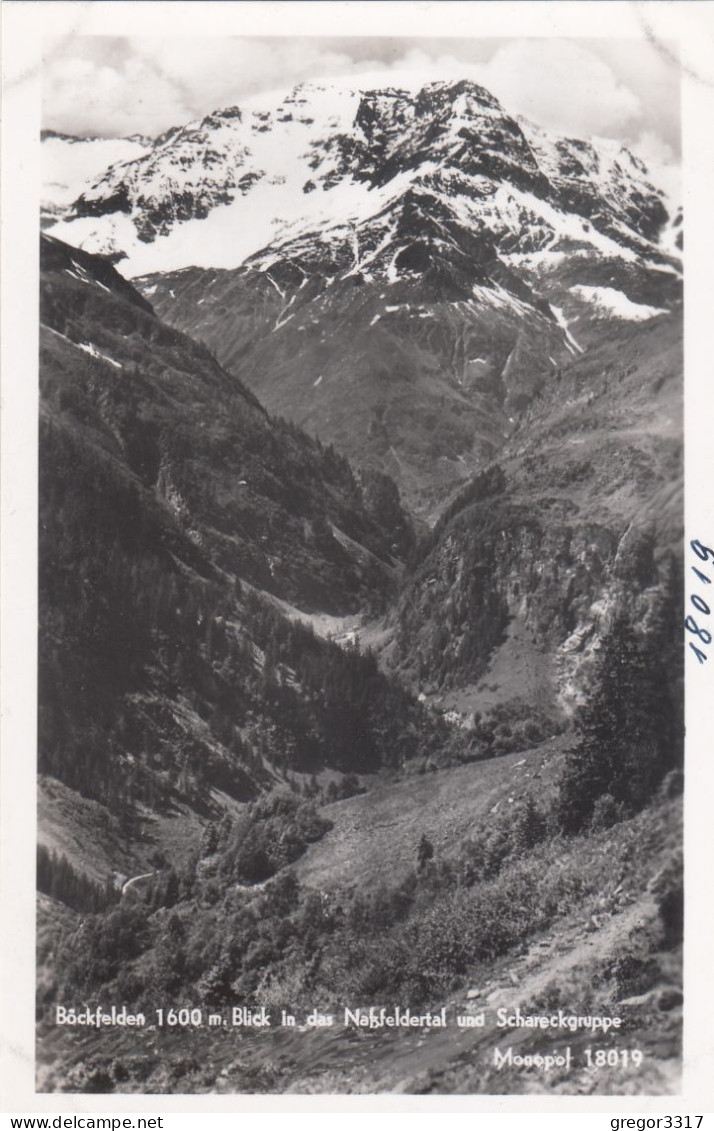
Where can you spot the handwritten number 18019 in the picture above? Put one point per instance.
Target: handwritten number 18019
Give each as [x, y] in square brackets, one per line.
[703, 635]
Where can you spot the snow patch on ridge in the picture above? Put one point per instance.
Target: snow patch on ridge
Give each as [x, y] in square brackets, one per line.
[94, 352]
[615, 302]
[86, 347]
[562, 321]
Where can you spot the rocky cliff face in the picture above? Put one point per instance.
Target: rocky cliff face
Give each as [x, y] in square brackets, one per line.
[580, 518]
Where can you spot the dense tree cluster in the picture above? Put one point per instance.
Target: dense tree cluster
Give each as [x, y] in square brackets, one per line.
[134, 644]
[56, 877]
[627, 733]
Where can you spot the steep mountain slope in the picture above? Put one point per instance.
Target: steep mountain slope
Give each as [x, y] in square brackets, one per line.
[182, 533]
[277, 508]
[400, 342]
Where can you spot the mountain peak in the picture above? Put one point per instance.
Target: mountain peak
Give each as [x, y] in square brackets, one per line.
[328, 152]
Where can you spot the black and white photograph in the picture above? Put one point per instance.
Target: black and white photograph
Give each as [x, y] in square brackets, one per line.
[364, 593]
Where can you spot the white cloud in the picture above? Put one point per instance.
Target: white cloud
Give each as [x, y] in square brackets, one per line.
[561, 85]
[661, 162]
[87, 97]
[215, 72]
[557, 83]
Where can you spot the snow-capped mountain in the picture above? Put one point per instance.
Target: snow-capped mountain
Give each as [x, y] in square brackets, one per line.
[216, 190]
[398, 271]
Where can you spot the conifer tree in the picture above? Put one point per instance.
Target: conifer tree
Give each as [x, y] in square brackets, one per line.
[625, 729]
[530, 826]
[425, 851]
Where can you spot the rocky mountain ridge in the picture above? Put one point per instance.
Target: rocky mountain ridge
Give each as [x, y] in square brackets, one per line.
[360, 147]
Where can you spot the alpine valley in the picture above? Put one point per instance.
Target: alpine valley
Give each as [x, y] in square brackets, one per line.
[361, 673]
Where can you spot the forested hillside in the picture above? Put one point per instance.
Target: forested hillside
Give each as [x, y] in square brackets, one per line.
[172, 510]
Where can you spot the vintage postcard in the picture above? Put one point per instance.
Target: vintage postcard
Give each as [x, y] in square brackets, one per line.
[353, 569]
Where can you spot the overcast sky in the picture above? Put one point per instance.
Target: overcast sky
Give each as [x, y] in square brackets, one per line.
[111, 86]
